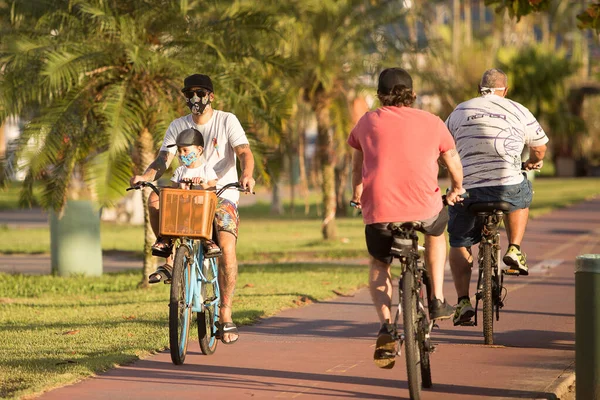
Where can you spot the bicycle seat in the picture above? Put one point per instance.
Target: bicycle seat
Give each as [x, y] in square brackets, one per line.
[405, 226]
[489, 207]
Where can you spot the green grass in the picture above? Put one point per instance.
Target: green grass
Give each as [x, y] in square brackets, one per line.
[71, 328]
[275, 238]
[9, 196]
[55, 331]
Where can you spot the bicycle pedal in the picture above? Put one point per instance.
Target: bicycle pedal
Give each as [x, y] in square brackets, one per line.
[167, 281]
[213, 255]
[511, 272]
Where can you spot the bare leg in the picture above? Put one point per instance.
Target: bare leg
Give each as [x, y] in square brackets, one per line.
[515, 223]
[153, 211]
[461, 264]
[435, 259]
[228, 269]
[380, 286]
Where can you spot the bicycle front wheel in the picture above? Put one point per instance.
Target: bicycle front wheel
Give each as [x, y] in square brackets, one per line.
[411, 337]
[180, 305]
[486, 287]
[210, 311]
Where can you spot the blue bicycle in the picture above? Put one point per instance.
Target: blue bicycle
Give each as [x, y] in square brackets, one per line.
[194, 279]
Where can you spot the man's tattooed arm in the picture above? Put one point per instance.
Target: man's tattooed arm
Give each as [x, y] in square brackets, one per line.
[158, 166]
[247, 164]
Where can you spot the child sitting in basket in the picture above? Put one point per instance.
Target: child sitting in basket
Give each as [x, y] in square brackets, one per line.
[192, 172]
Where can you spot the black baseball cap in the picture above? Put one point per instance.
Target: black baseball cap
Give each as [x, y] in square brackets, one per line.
[391, 77]
[197, 80]
[189, 137]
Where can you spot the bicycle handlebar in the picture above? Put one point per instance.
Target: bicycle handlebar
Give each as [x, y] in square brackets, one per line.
[142, 184]
[465, 195]
[233, 185]
[538, 169]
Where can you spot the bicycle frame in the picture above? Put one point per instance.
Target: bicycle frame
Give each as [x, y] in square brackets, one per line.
[407, 252]
[195, 291]
[416, 324]
[491, 238]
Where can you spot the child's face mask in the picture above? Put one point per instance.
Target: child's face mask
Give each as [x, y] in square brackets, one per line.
[189, 159]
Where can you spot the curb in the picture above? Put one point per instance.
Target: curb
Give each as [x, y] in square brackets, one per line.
[560, 387]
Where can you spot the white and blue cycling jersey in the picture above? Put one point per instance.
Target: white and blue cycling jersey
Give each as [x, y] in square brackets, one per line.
[490, 134]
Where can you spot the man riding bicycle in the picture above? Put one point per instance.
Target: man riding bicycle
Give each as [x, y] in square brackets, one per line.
[394, 179]
[491, 132]
[224, 139]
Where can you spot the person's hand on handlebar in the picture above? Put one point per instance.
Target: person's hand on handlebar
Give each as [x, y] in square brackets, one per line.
[533, 166]
[453, 195]
[135, 179]
[247, 182]
[355, 202]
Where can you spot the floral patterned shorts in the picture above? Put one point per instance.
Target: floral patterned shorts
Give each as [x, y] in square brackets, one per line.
[227, 216]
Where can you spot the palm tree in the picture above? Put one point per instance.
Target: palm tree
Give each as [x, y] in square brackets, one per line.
[539, 77]
[336, 42]
[110, 72]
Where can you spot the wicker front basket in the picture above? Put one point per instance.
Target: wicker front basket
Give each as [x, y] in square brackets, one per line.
[187, 213]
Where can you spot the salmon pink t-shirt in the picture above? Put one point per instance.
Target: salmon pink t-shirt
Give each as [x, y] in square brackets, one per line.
[400, 146]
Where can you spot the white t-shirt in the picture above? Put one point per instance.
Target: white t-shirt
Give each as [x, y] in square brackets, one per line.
[221, 134]
[490, 134]
[205, 172]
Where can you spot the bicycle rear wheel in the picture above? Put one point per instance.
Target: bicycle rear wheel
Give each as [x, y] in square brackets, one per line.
[488, 301]
[411, 337]
[424, 340]
[180, 305]
[210, 311]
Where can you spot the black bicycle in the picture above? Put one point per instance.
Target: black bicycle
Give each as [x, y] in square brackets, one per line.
[417, 327]
[490, 283]
[414, 278]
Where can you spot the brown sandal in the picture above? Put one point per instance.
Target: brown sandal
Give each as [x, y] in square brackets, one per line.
[162, 273]
[162, 247]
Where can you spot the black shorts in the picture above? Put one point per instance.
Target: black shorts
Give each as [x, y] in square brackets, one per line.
[379, 237]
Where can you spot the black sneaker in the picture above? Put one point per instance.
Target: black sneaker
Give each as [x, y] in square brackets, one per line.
[440, 310]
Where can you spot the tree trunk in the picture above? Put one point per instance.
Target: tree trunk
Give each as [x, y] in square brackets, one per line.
[144, 149]
[342, 172]
[302, 167]
[545, 22]
[290, 155]
[455, 30]
[326, 155]
[482, 22]
[276, 205]
[468, 24]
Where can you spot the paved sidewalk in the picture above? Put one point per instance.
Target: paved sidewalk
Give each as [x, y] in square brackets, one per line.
[324, 351]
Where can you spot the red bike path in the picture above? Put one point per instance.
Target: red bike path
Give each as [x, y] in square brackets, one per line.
[324, 350]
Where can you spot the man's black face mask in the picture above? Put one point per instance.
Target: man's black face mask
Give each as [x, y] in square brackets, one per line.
[197, 100]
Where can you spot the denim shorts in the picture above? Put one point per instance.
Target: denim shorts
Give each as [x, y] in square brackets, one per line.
[464, 228]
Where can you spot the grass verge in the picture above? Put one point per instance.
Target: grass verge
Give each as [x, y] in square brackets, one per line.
[55, 331]
[275, 238]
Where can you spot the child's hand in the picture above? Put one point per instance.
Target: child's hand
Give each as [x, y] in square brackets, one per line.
[198, 182]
